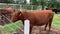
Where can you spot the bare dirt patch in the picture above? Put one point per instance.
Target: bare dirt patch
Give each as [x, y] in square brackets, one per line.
[40, 30]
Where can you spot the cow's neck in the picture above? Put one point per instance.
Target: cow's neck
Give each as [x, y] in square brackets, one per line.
[25, 15]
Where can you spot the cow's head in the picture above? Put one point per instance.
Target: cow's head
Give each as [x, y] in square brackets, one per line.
[17, 15]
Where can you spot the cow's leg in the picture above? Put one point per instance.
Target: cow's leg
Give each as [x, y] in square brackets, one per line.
[50, 26]
[46, 26]
[30, 29]
[50, 22]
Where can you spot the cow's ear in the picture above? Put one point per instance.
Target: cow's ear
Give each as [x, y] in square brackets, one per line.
[20, 13]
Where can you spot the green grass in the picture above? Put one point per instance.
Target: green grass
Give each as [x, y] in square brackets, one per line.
[12, 27]
[56, 20]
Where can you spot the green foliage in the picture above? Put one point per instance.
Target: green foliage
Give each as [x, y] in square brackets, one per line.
[38, 2]
[24, 2]
[33, 2]
[53, 3]
[1, 1]
[6, 1]
[10, 1]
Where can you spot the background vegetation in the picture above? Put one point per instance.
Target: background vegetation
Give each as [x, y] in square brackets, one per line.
[48, 3]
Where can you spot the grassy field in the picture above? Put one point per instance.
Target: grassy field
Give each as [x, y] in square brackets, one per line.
[14, 26]
[10, 28]
[56, 20]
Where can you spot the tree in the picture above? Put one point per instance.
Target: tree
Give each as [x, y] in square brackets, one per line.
[33, 2]
[43, 4]
[10, 1]
[3, 1]
[24, 2]
[6, 1]
[54, 4]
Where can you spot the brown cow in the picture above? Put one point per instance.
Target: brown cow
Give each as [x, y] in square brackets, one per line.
[39, 18]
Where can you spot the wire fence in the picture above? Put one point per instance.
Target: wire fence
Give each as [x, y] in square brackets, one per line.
[2, 28]
[4, 18]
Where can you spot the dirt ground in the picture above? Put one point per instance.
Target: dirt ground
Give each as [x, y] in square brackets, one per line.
[40, 30]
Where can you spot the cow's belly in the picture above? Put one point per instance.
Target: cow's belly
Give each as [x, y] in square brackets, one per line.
[41, 21]
[40, 24]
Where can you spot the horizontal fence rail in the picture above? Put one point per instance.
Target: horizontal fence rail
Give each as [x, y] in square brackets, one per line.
[21, 7]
